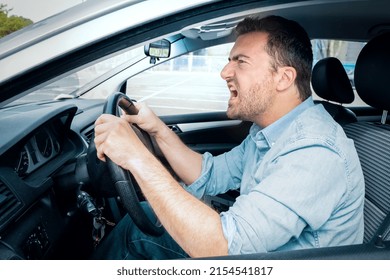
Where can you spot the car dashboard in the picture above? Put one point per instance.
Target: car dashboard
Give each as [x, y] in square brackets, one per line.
[39, 146]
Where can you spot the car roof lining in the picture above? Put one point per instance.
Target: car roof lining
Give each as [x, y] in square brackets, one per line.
[363, 20]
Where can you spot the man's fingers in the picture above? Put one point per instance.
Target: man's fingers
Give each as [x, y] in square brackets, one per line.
[105, 118]
[131, 118]
[99, 142]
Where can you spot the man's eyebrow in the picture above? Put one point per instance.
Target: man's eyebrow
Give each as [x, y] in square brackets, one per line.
[237, 57]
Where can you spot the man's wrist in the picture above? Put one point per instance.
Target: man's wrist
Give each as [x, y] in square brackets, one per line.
[162, 132]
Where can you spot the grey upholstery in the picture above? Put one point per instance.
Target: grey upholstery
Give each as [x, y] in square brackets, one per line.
[330, 82]
[372, 140]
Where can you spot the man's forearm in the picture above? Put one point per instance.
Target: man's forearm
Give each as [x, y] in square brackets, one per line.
[195, 226]
[186, 163]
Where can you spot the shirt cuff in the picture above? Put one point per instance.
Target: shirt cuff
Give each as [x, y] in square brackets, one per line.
[198, 188]
[229, 230]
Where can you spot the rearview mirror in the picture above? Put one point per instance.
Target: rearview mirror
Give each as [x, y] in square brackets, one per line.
[158, 49]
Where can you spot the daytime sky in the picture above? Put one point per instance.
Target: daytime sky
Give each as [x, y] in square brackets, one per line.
[38, 9]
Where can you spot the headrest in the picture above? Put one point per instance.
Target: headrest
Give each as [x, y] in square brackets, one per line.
[331, 82]
[372, 72]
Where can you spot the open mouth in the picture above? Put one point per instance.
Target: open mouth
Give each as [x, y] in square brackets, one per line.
[233, 96]
[233, 93]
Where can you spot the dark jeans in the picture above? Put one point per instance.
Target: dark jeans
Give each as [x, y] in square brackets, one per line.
[127, 242]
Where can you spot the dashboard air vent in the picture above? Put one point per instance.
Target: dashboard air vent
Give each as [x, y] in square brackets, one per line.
[88, 134]
[9, 203]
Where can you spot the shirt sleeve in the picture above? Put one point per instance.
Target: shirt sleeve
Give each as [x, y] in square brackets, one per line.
[219, 173]
[296, 189]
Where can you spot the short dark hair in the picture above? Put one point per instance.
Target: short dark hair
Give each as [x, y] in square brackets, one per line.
[288, 44]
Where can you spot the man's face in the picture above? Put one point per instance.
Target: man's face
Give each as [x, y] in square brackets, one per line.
[249, 77]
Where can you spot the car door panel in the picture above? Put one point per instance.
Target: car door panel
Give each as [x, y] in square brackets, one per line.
[208, 132]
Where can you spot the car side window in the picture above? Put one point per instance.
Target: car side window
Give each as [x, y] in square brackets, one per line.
[191, 83]
[187, 84]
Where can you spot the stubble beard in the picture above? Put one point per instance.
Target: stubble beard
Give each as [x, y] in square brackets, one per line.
[252, 104]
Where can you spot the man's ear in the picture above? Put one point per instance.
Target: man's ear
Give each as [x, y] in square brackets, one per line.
[286, 77]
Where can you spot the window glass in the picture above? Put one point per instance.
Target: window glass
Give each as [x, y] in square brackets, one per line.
[68, 86]
[191, 83]
[187, 84]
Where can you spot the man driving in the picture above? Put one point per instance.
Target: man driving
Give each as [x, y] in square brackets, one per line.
[299, 176]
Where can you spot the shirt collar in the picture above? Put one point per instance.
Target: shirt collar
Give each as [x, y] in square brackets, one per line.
[272, 132]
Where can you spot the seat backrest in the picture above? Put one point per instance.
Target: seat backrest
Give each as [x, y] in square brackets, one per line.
[330, 82]
[372, 140]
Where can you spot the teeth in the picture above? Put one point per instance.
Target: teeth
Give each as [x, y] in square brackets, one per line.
[232, 89]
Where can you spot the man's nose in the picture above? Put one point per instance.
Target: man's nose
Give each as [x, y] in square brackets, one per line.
[227, 72]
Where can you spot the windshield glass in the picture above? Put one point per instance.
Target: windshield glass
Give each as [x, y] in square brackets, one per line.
[70, 85]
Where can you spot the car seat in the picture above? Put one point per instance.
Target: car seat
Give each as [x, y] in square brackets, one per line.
[372, 139]
[330, 82]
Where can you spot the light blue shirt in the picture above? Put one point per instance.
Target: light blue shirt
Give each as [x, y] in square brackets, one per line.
[301, 185]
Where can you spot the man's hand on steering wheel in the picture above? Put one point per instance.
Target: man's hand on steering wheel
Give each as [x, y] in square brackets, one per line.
[124, 146]
[115, 139]
[146, 119]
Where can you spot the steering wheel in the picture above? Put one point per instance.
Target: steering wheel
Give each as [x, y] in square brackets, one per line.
[124, 182]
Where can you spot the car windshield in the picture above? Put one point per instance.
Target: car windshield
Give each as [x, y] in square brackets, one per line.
[70, 85]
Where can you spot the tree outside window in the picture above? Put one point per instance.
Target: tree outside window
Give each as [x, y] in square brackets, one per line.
[9, 24]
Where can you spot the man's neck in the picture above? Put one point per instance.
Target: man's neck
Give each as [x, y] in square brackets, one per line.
[279, 109]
